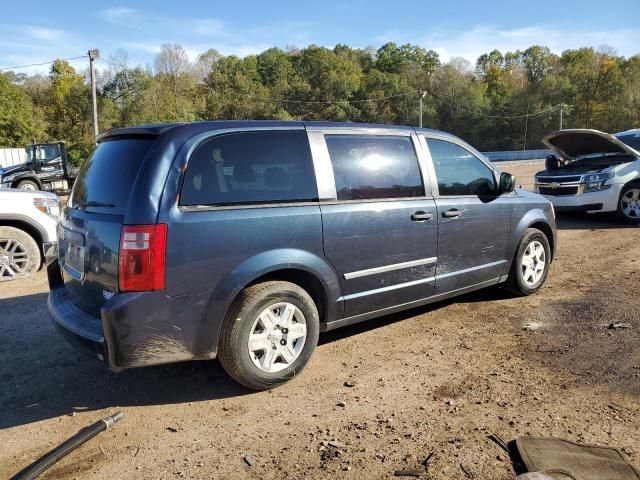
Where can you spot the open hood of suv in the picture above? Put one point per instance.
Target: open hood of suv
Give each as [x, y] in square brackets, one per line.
[570, 144]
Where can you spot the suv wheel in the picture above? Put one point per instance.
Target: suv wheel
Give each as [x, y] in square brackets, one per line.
[27, 185]
[531, 264]
[19, 254]
[629, 204]
[269, 334]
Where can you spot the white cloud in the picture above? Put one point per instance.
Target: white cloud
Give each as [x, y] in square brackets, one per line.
[118, 12]
[45, 34]
[208, 27]
[472, 43]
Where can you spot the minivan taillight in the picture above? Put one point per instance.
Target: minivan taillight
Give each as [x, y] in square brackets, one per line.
[142, 257]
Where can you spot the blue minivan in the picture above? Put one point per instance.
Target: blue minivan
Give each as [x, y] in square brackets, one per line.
[243, 240]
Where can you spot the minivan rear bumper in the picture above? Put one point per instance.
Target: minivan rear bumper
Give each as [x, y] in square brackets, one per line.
[79, 328]
[138, 328]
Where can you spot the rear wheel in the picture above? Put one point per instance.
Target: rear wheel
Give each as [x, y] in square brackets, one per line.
[629, 204]
[531, 264]
[27, 185]
[269, 334]
[19, 254]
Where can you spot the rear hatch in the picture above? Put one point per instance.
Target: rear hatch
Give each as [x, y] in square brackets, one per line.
[90, 226]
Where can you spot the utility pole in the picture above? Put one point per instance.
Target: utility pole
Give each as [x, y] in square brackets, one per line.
[93, 54]
[422, 94]
[561, 112]
[526, 127]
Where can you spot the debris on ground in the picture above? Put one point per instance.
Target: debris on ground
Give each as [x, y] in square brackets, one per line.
[341, 403]
[532, 327]
[467, 471]
[349, 383]
[574, 460]
[336, 444]
[428, 460]
[249, 460]
[617, 325]
[498, 440]
[408, 473]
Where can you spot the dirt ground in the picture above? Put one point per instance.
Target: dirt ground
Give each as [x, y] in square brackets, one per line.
[436, 379]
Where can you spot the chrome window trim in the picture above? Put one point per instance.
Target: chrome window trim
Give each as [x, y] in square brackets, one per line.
[246, 206]
[374, 200]
[355, 130]
[389, 268]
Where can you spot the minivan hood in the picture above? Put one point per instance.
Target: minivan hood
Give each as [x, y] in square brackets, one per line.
[573, 143]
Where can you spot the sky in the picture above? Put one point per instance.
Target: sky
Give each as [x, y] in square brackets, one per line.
[40, 31]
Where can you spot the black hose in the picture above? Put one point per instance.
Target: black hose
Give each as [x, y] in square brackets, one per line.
[83, 436]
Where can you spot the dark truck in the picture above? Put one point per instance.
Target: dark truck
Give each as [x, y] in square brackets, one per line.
[47, 168]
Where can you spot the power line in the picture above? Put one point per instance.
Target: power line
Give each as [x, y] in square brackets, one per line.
[505, 117]
[43, 63]
[349, 101]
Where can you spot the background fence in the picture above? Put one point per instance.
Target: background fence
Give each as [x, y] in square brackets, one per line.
[12, 156]
[516, 155]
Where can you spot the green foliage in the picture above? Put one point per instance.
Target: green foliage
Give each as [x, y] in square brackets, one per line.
[19, 121]
[484, 103]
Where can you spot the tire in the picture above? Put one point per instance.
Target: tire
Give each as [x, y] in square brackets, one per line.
[629, 204]
[27, 185]
[19, 254]
[248, 320]
[526, 280]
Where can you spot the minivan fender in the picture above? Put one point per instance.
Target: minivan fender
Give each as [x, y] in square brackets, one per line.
[534, 218]
[268, 264]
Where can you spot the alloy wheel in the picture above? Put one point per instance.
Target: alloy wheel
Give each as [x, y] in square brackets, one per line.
[14, 258]
[533, 263]
[630, 203]
[277, 337]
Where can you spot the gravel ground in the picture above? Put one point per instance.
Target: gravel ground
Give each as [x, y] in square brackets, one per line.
[376, 397]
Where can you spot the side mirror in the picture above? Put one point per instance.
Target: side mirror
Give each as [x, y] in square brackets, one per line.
[507, 182]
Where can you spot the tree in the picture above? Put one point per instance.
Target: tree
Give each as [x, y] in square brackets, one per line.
[20, 122]
[176, 87]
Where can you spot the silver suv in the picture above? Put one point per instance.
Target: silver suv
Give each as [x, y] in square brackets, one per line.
[593, 172]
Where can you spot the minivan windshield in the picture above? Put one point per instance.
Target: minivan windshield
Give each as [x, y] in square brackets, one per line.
[106, 178]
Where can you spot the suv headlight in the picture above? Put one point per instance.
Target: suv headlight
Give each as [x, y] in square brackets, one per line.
[596, 181]
[48, 206]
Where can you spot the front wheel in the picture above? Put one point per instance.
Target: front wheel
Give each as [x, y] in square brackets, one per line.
[269, 334]
[629, 204]
[27, 185]
[19, 254]
[531, 264]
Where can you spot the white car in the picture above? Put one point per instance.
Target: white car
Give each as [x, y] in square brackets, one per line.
[596, 172]
[28, 222]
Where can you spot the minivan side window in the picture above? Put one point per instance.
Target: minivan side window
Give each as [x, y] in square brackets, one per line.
[458, 171]
[250, 167]
[374, 166]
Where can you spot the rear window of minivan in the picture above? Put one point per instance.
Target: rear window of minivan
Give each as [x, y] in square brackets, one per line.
[250, 168]
[105, 180]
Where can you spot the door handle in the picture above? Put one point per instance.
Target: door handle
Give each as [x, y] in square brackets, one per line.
[453, 213]
[421, 216]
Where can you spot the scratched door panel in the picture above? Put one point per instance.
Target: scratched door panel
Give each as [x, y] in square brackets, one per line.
[471, 247]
